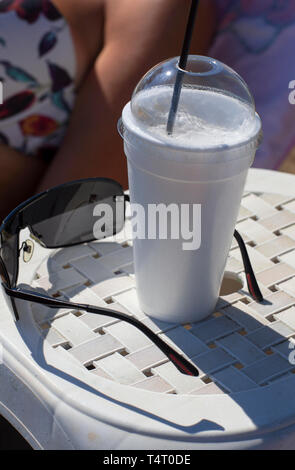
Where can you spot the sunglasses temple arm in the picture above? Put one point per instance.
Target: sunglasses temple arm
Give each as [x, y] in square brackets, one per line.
[250, 276]
[181, 363]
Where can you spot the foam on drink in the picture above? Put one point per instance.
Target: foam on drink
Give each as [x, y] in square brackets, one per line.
[205, 118]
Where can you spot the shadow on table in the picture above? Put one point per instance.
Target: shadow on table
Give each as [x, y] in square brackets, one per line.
[200, 360]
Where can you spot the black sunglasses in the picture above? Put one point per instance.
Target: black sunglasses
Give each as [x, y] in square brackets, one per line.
[62, 217]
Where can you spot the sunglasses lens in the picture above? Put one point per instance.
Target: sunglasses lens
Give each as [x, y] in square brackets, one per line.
[9, 249]
[67, 215]
[77, 212]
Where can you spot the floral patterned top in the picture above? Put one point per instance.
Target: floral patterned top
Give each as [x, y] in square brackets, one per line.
[256, 38]
[37, 69]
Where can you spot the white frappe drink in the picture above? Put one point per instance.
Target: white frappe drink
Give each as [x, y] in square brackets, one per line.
[189, 185]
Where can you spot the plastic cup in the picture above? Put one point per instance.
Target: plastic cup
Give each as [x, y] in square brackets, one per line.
[200, 170]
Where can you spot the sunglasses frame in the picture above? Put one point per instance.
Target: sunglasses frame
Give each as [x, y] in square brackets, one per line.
[39, 197]
[13, 292]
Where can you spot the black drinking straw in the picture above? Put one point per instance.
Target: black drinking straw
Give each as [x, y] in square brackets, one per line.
[182, 65]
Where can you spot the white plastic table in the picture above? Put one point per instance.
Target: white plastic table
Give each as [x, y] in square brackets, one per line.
[74, 380]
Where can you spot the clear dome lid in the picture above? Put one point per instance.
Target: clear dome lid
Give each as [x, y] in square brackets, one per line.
[216, 108]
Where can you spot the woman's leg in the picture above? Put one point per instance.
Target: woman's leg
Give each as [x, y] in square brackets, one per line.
[19, 177]
[137, 35]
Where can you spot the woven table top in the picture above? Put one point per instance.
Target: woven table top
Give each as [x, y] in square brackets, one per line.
[243, 345]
